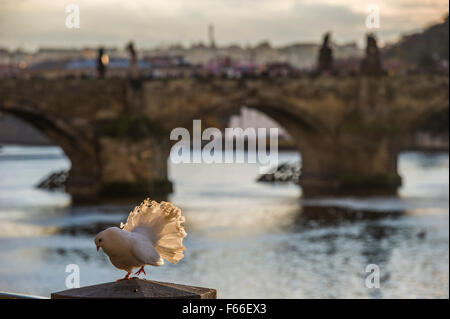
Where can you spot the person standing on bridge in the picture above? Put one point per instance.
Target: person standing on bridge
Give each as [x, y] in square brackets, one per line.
[102, 61]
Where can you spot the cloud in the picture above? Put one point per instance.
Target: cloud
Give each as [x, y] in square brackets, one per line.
[32, 23]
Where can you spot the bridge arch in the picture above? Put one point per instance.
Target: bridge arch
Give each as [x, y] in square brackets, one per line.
[83, 175]
[306, 130]
[297, 121]
[433, 119]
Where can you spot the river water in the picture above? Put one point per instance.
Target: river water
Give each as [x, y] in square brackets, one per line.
[246, 239]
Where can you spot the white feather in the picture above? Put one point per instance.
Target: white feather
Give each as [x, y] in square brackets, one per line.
[161, 224]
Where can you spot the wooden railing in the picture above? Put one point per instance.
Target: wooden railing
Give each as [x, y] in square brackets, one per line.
[133, 288]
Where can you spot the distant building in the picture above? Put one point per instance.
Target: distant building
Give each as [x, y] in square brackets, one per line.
[5, 57]
[80, 68]
[173, 60]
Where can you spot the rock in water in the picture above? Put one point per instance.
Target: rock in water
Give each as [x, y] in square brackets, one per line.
[286, 173]
[55, 181]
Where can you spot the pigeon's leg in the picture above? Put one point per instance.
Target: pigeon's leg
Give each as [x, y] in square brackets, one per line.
[141, 270]
[127, 276]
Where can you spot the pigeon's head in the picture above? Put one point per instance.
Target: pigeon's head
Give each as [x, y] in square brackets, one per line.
[107, 239]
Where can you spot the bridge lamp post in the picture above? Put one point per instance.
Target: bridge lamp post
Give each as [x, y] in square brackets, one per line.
[105, 59]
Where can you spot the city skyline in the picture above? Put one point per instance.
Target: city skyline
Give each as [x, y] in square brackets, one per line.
[30, 24]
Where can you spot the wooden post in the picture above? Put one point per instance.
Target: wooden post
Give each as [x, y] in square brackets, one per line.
[137, 288]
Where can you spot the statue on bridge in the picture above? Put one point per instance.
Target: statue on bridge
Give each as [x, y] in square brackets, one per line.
[325, 64]
[134, 69]
[371, 64]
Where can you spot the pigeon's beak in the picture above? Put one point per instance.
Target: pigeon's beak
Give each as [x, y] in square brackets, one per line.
[98, 247]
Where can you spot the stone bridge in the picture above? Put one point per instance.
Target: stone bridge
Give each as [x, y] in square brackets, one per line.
[349, 130]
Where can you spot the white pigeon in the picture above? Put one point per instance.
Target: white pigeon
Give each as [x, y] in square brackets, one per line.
[153, 232]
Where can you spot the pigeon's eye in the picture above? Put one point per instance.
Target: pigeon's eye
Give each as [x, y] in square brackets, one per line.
[100, 240]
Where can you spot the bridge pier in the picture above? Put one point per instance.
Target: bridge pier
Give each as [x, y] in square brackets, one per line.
[121, 168]
[134, 168]
[83, 185]
[344, 167]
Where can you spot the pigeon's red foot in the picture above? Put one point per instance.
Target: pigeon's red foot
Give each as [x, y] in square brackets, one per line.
[141, 270]
[127, 276]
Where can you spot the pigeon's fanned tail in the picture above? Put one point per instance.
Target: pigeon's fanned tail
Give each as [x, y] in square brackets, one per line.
[161, 223]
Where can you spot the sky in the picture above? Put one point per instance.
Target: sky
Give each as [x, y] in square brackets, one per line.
[30, 24]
